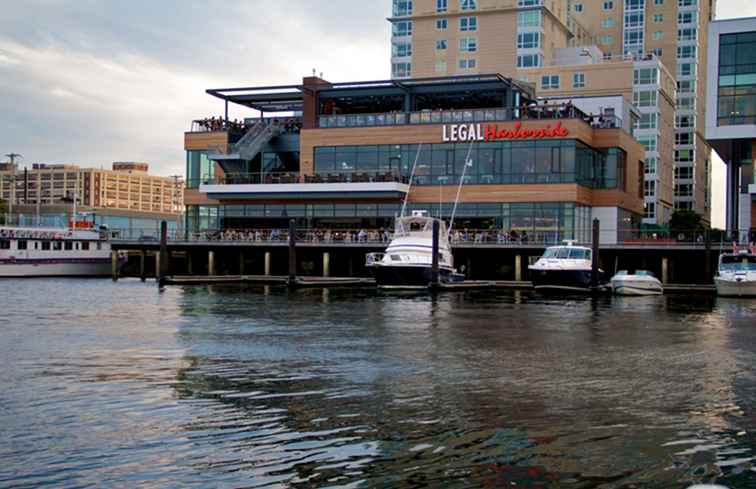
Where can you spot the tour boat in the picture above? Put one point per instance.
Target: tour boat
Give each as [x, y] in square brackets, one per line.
[563, 268]
[55, 252]
[408, 260]
[642, 282]
[736, 276]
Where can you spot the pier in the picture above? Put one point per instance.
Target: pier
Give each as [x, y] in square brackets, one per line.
[298, 259]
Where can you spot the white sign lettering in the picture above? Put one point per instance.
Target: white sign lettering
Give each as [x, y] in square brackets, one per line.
[462, 132]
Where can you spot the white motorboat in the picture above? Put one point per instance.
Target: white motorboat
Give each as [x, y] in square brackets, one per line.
[564, 268]
[408, 260]
[641, 282]
[55, 252]
[736, 275]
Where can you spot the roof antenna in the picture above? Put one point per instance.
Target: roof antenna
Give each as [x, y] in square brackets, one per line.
[314, 71]
[321, 74]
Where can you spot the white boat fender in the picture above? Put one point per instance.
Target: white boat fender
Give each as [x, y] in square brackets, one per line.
[707, 486]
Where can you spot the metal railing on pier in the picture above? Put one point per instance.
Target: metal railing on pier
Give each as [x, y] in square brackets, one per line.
[466, 237]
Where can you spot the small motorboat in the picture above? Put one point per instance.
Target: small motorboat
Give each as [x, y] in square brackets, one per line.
[641, 282]
[566, 268]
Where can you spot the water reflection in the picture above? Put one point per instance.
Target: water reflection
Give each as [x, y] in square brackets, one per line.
[264, 387]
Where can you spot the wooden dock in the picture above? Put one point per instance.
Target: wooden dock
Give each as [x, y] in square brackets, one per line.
[328, 282]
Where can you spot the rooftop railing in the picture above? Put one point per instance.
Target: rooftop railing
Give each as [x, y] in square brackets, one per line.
[529, 112]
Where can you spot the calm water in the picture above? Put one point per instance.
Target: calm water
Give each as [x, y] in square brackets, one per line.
[118, 385]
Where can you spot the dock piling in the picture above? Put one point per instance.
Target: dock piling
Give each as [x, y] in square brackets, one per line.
[665, 270]
[326, 264]
[163, 253]
[142, 259]
[241, 263]
[211, 262]
[595, 253]
[292, 252]
[518, 268]
[267, 263]
[114, 265]
[434, 263]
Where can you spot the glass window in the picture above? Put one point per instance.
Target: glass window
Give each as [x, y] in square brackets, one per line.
[607, 23]
[527, 40]
[529, 18]
[647, 121]
[468, 45]
[468, 24]
[441, 66]
[401, 70]
[578, 7]
[549, 82]
[401, 49]
[442, 5]
[442, 24]
[402, 28]
[529, 60]
[686, 17]
[402, 8]
[658, 18]
[645, 99]
[468, 4]
[607, 40]
[578, 80]
[686, 52]
[658, 36]
[646, 76]
[608, 5]
[441, 44]
[466, 64]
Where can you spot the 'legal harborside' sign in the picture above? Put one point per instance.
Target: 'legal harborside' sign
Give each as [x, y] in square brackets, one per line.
[491, 132]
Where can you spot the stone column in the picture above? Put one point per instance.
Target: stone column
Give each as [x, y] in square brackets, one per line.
[114, 264]
[665, 270]
[211, 262]
[142, 259]
[518, 268]
[267, 263]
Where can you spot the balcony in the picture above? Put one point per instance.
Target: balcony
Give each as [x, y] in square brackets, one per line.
[292, 185]
[530, 112]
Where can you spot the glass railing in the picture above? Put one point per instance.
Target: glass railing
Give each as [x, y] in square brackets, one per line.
[530, 112]
[296, 177]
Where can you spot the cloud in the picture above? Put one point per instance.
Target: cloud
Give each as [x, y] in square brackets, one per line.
[91, 82]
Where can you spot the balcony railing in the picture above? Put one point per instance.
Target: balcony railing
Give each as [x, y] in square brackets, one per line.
[530, 112]
[296, 177]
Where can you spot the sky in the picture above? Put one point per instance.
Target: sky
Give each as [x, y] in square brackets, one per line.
[90, 82]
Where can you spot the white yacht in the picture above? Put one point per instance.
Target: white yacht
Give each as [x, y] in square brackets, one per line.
[641, 282]
[407, 262]
[736, 275]
[55, 252]
[564, 268]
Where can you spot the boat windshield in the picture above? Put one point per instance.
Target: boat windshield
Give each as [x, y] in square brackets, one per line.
[565, 252]
[644, 273]
[738, 263]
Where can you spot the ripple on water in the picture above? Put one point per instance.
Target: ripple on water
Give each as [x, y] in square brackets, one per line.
[231, 387]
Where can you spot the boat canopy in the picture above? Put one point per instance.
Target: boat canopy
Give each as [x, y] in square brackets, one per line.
[419, 225]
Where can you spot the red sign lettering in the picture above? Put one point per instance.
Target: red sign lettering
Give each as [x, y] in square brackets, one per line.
[493, 133]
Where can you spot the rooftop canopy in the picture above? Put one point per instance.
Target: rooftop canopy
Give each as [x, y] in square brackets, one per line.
[452, 92]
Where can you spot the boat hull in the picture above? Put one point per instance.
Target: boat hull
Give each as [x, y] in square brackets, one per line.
[96, 267]
[409, 277]
[636, 288]
[735, 288]
[561, 280]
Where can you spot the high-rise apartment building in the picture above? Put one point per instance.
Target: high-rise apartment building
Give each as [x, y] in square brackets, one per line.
[664, 41]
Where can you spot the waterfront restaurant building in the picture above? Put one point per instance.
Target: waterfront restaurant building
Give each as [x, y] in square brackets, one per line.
[345, 160]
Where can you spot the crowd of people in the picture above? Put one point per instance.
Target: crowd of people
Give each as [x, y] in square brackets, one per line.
[290, 125]
[382, 235]
[567, 110]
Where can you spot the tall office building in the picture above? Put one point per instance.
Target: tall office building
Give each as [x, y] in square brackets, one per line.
[528, 40]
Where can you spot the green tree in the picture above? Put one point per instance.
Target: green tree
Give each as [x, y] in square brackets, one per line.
[686, 223]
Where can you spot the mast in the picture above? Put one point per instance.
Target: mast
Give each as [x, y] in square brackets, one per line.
[412, 176]
[468, 162]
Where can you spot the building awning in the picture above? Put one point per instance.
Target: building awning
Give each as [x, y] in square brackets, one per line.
[297, 191]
